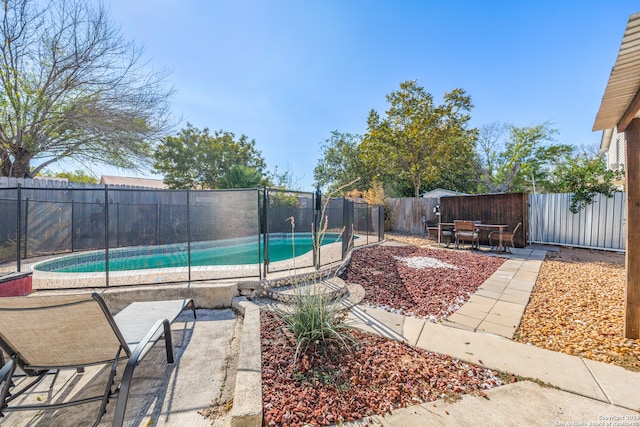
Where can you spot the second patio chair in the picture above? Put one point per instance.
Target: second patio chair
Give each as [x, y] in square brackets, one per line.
[507, 237]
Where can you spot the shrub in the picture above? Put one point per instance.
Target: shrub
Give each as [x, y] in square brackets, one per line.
[317, 322]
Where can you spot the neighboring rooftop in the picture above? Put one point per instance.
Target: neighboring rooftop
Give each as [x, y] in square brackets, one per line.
[133, 182]
[441, 192]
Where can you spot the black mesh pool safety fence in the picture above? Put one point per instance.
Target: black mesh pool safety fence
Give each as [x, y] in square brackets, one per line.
[101, 237]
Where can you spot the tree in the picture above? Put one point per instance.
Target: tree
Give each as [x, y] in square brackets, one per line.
[72, 87]
[75, 176]
[240, 176]
[284, 181]
[196, 159]
[516, 157]
[417, 139]
[462, 169]
[585, 176]
[488, 145]
[341, 162]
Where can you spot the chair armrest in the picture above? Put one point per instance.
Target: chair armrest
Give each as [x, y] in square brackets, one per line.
[6, 370]
[138, 353]
[160, 327]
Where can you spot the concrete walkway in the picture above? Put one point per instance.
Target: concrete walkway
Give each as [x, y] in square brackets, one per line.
[497, 306]
[596, 380]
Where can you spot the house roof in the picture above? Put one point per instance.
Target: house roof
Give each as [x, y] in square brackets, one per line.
[605, 142]
[621, 100]
[133, 182]
[440, 192]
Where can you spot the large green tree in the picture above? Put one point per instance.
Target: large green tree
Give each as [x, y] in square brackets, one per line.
[461, 172]
[341, 163]
[583, 174]
[417, 140]
[241, 176]
[514, 158]
[72, 87]
[75, 176]
[196, 159]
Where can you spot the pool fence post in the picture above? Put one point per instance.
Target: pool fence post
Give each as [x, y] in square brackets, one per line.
[72, 224]
[265, 232]
[19, 226]
[188, 238]
[117, 225]
[347, 223]
[317, 223]
[157, 223]
[26, 225]
[106, 234]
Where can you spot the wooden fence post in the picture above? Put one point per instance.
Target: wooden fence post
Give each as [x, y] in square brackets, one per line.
[632, 293]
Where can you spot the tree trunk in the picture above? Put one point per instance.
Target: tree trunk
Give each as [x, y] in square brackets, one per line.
[5, 163]
[22, 164]
[514, 172]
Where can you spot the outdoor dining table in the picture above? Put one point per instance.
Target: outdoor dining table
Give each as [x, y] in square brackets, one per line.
[491, 227]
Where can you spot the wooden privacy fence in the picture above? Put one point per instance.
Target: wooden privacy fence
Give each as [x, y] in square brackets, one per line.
[545, 218]
[44, 182]
[509, 209]
[408, 214]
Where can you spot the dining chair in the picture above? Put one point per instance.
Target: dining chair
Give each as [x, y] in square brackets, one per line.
[507, 237]
[466, 231]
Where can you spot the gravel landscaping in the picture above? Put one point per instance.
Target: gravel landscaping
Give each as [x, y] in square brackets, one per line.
[375, 376]
[418, 281]
[576, 307]
[378, 374]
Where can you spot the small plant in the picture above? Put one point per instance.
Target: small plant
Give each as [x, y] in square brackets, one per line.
[317, 323]
[315, 319]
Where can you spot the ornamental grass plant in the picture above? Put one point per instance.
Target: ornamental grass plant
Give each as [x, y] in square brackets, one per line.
[316, 319]
[317, 322]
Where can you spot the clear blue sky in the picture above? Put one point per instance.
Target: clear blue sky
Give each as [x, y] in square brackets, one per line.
[287, 73]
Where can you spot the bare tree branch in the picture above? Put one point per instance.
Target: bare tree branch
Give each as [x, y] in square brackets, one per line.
[72, 87]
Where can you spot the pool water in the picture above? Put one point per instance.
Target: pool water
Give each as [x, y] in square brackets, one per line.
[244, 253]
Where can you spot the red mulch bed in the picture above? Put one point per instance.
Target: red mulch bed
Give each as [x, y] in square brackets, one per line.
[377, 376]
[432, 293]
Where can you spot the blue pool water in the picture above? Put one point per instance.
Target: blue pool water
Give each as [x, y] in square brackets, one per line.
[247, 252]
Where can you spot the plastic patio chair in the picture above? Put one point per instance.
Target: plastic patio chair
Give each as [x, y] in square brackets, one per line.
[44, 334]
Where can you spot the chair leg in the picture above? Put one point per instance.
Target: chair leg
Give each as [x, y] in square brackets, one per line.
[506, 249]
[6, 374]
[108, 389]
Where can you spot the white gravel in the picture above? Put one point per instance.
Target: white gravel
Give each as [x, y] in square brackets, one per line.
[420, 262]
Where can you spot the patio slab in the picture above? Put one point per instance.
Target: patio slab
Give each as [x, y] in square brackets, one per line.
[161, 394]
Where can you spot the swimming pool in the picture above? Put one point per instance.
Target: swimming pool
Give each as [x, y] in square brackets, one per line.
[212, 253]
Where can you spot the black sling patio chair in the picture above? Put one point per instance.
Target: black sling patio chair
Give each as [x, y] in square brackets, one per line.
[45, 334]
